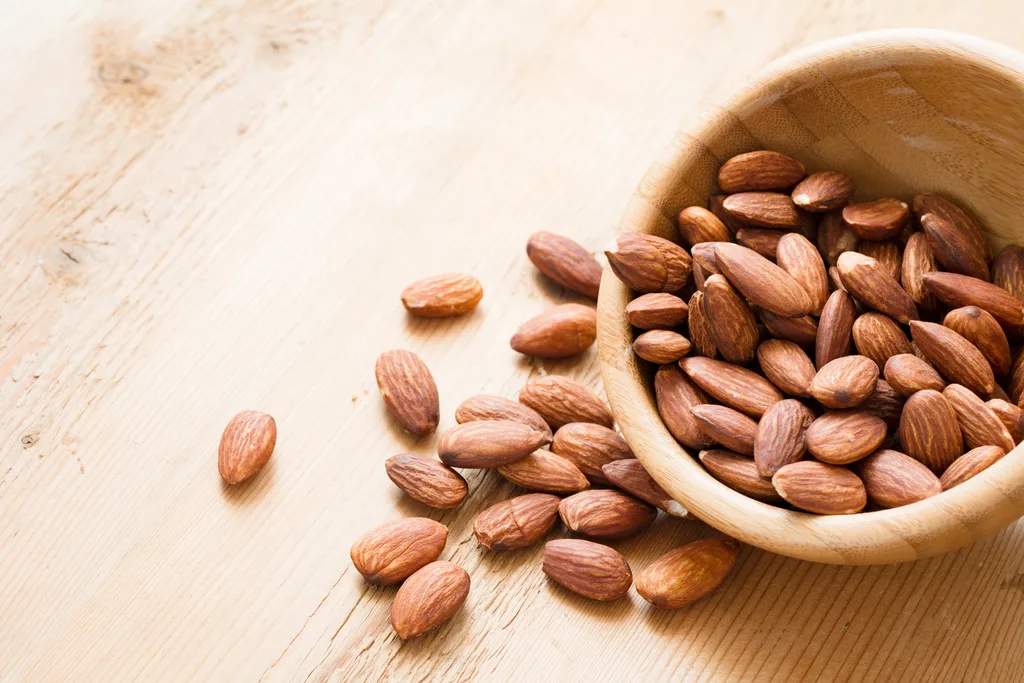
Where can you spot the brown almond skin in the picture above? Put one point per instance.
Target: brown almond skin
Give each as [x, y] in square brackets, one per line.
[443, 296]
[957, 359]
[885, 403]
[687, 574]
[762, 240]
[950, 211]
[697, 224]
[1010, 415]
[787, 366]
[824, 191]
[878, 337]
[887, 253]
[894, 479]
[732, 321]
[716, 205]
[649, 264]
[835, 328]
[773, 210]
[740, 474]
[658, 310]
[426, 480]
[605, 514]
[957, 290]
[821, 488]
[489, 443]
[929, 431]
[734, 386]
[429, 598]
[1008, 270]
[545, 472]
[675, 395]
[845, 436]
[559, 332]
[969, 464]
[393, 551]
[565, 262]
[981, 329]
[835, 237]
[907, 373]
[487, 407]
[781, 436]
[845, 382]
[1016, 384]
[979, 425]
[517, 523]
[802, 331]
[872, 284]
[701, 333]
[918, 259]
[953, 249]
[661, 346]
[763, 283]
[731, 428]
[882, 219]
[630, 476]
[798, 257]
[408, 390]
[590, 446]
[760, 170]
[560, 400]
[589, 569]
[246, 445]
[704, 254]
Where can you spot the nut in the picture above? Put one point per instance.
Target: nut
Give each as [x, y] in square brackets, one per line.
[954, 249]
[907, 373]
[246, 445]
[393, 551]
[516, 523]
[443, 296]
[871, 283]
[893, 479]
[844, 436]
[845, 382]
[969, 464]
[764, 209]
[429, 598]
[649, 264]
[590, 447]
[835, 328]
[979, 425]
[630, 476]
[929, 431]
[781, 436]
[956, 358]
[408, 390]
[701, 333]
[763, 283]
[733, 324]
[486, 407]
[560, 400]
[740, 474]
[657, 310]
[787, 366]
[731, 428]
[589, 569]
[879, 220]
[547, 472]
[824, 191]
[489, 443]
[798, 257]
[820, 488]
[675, 395]
[949, 211]
[697, 224]
[566, 262]
[879, 338]
[605, 514]
[687, 574]
[918, 260]
[559, 332]
[426, 480]
[661, 346]
[760, 170]
[981, 329]
[734, 386]
[958, 290]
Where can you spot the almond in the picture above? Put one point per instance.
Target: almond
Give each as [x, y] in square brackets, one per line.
[872, 284]
[429, 598]
[734, 386]
[687, 574]
[443, 296]
[953, 249]
[1016, 385]
[787, 366]
[516, 523]
[246, 445]
[907, 373]
[1010, 415]
[701, 333]
[408, 390]
[762, 282]
[733, 324]
[658, 310]
[957, 359]
[560, 400]
[547, 472]
[886, 253]
[949, 211]
[802, 331]
[716, 205]
[781, 436]
[760, 170]
[762, 240]
[697, 224]
[885, 403]
[649, 264]
[835, 328]
[835, 237]
[824, 191]
[982, 330]
[605, 514]
[798, 257]
[699, 276]
[894, 479]
[962, 290]
[661, 346]
[879, 220]
[1008, 270]
[486, 407]
[559, 332]
[764, 210]
[969, 464]
[929, 431]
[393, 551]
[844, 436]
[999, 393]
[426, 480]
[565, 262]
[704, 255]
[918, 260]
[630, 476]
[590, 446]
[845, 382]
[879, 338]
[820, 488]
[489, 443]
[979, 425]
[838, 286]
[675, 396]
[729, 427]
[740, 474]
[589, 569]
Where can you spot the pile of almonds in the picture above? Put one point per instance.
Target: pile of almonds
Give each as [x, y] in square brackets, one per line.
[784, 268]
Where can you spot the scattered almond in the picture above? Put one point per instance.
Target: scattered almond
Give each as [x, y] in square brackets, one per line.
[544, 471]
[393, 551]
[559, 332]
[605, 514]
[489, 443]
[687, 574]
[630, 476]
[246, 445]
[590, 447]
[408, 390]
[516, 523]
[429, 598]
[589, 569]
[426, 480]
[567, 263]
[443, 296]
[559, 400]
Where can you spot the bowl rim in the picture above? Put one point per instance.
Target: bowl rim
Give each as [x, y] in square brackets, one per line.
[977, 508]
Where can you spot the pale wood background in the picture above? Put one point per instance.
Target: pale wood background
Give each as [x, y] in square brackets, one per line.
[208, 207]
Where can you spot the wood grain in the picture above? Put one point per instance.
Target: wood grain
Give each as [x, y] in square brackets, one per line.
[208, 207]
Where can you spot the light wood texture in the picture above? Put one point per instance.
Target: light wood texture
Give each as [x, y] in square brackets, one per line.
[209, 207]
[902, 112]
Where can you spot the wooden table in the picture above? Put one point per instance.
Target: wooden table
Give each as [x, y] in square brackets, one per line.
[209, 207]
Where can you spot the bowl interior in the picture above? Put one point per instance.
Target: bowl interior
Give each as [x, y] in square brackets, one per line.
[902, 112]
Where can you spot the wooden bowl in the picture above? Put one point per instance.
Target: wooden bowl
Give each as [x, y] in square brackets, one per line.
[903, 112]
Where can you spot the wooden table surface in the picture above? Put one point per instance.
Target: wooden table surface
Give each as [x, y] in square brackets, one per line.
[214, 206]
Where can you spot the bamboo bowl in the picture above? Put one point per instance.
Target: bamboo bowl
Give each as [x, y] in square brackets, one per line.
[903, 112]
